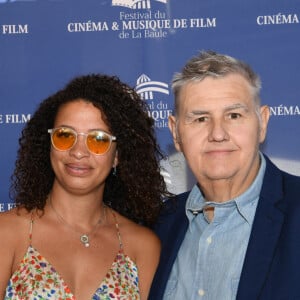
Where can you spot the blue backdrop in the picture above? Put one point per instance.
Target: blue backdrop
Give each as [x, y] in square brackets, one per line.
[44, 44]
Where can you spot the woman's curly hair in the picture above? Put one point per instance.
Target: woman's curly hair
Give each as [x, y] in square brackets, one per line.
[137, 190]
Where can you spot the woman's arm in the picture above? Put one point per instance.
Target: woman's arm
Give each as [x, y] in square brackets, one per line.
[7, 251]
[148, 253]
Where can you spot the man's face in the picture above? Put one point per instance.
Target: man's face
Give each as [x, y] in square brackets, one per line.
[218, 130]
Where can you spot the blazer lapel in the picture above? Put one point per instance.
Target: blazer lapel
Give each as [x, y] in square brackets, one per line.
[266, 229]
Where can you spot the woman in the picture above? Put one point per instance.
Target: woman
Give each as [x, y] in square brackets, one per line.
[87, 173]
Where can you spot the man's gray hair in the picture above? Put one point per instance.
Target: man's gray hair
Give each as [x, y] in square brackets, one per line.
[212, 64]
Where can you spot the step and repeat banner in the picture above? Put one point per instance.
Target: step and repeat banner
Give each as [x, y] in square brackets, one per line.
[44, 44]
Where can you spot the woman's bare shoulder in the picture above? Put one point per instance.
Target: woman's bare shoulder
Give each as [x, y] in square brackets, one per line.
[137, 235]
[13, 221]
[14, 230]
[19, 213]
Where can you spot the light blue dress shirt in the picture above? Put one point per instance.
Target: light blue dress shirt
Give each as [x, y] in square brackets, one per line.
[210, 259]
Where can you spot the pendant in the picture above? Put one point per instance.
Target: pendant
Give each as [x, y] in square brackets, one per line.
[84, 239]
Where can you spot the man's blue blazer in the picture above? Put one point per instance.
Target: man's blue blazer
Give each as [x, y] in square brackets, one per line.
[271, 268]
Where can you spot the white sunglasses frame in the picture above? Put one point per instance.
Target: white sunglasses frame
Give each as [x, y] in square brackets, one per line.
[112, 138]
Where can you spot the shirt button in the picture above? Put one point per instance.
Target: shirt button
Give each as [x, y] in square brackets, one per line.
[209, 240]
[201, 292]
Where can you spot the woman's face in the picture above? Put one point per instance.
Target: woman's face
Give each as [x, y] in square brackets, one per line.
[78, 170]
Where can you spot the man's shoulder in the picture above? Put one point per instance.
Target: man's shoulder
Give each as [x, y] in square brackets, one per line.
[175, 204]
[291, 189]
[282, 187]
[291, 179]
[287, 179]
[173, 214]
[183, 196]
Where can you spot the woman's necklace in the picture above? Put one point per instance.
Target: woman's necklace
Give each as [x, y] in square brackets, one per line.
[84, 238]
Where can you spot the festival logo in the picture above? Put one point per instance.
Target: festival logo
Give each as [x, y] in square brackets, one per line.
[145, 87]
[136, 4]
[154, 93]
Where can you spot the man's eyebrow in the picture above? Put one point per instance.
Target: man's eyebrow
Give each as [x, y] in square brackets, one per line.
[198, 112]
[237, 106]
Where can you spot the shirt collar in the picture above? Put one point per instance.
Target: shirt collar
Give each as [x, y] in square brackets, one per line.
[245, 203]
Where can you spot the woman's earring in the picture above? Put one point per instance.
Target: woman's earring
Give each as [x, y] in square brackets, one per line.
[115, 171]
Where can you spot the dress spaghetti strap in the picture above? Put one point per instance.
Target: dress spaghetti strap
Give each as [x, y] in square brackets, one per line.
[118, 230]
[30, 229]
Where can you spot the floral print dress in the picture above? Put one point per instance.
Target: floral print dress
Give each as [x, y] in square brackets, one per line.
[36, 279]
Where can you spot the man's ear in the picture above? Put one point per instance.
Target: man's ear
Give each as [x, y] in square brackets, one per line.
[264, 115]
[173, 128]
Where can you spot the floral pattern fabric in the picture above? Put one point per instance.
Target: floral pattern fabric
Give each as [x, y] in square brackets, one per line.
[121, 282]
[36, 279]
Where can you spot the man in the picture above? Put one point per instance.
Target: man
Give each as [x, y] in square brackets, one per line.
[236, 235]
